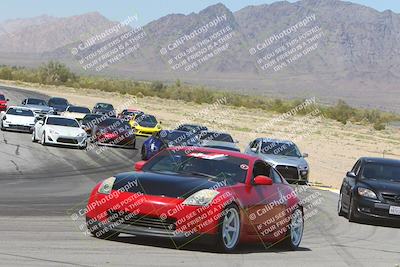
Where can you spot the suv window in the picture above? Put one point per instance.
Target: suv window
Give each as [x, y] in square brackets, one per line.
[254, 144]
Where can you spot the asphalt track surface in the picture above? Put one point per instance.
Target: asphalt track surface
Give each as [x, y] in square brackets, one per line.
[41, 187]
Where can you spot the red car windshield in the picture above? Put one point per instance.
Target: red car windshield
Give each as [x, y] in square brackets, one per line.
[2, 98]
[208, 165]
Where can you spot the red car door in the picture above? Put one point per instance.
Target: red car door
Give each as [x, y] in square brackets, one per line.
[265, 206]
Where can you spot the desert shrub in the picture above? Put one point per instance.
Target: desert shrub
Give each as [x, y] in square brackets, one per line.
[55, 73]
[379, 126]
[341, 112]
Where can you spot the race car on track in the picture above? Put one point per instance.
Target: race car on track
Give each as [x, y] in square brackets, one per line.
[189, 193]
[3, 103]
[218, 140]
[371, 190]
[18, 119]
[194, 128]
[167, 138]
[58, 104]
[284, 155]
[104, 109]
[129, 114]
[145, 124]
[90, 120]
[114, 132]
[59, 130]
[38, 106]
[75, 112]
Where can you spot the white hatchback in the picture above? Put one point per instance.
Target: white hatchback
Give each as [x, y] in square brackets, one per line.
[18, 119]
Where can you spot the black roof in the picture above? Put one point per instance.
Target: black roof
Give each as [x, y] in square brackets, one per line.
[381, 160]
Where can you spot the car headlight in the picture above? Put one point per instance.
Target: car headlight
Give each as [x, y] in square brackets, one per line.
[201, 198]
[53, 131]
[82, 134]
[366, 193]
[135, 124]
[158, 126]
[106, 186]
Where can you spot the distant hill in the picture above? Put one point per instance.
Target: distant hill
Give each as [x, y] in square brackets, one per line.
[357, 57]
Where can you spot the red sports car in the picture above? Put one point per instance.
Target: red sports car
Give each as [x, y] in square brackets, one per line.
[187, 193]
[3, 103]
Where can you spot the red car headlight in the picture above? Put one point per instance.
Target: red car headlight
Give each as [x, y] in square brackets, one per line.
[201, 198]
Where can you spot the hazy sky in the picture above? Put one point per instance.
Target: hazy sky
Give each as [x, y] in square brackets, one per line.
[147, 10]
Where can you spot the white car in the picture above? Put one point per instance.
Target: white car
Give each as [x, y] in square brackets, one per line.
[75, 112]
[59, 130]
[18, 119]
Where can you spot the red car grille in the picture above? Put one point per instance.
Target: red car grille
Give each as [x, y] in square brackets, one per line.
[288, 172]
[142, 220]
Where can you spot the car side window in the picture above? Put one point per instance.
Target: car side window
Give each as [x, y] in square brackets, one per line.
[261, 168]
[254, 144]
[275, 176]
[357, 167]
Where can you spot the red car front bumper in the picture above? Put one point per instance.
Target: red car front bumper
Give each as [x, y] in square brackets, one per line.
[139, 214]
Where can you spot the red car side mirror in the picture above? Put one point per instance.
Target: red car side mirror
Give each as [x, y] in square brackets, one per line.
[262, 180]
[139, 165]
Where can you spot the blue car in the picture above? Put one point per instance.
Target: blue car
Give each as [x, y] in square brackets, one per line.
[167, 138]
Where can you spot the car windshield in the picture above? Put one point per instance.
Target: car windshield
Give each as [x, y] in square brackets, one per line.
[378, 171]
[191, 128]
[20, 112]
[2, 97]
[146, 120]
[105, 106]
[79, 110]
[59, 121]
[114, 123]
[207, 165]
[58, 101]
[92, 118]
[174, 138]
[280, 148]
[210, 136]
[131, 113]
[38, 102]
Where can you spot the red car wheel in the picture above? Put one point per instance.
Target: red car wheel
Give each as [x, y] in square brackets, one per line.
[229, 229]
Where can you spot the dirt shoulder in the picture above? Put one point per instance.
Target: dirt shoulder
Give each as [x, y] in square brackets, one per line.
[333, 147]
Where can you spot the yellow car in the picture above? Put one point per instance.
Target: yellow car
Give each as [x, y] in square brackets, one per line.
[145, 125]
